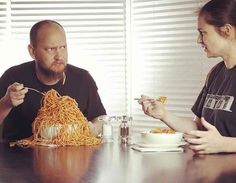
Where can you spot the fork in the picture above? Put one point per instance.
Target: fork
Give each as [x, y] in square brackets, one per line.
[32, 89]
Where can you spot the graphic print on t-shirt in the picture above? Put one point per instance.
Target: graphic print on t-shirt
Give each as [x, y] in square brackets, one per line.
[219, 102]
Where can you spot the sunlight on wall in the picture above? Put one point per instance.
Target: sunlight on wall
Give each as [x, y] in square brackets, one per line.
[13, 53]
[83, 59]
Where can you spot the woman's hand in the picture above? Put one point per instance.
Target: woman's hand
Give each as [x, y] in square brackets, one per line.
[152, 107]
[205, 142]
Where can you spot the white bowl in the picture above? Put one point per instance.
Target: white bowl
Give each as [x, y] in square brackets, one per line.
[161, 138]
[52, 131]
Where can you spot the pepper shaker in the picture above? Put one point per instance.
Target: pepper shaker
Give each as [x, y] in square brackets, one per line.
[124, 131]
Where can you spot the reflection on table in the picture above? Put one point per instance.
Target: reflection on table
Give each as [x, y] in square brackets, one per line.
[60, 165]
[112, 162]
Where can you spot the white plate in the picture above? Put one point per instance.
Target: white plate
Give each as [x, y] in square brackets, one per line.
[49, 145]
[141, 144]
[156, 149]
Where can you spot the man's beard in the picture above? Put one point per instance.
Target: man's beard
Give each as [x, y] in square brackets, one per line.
[50, 73]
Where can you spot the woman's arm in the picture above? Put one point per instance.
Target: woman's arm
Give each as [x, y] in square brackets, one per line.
[180, 124]
[156, 109]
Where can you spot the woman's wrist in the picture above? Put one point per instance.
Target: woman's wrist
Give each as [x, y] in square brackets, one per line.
[228, 144]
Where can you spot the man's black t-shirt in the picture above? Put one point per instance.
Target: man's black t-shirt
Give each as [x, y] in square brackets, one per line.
[216, 101]
[78, 84]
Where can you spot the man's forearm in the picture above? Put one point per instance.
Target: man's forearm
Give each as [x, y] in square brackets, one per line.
[4, 110]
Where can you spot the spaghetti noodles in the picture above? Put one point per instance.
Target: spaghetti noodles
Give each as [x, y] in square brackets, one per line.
[62, 121]
[162, 130]
[162, 99]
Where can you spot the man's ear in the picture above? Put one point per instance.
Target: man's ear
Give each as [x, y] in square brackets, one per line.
[31, 51]
[227, 31]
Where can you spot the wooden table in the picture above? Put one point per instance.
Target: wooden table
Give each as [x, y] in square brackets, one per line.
[111, 163]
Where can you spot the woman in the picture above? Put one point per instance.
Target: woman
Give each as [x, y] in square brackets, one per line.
[213, 129]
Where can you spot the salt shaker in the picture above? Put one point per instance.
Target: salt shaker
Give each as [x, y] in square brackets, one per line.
[107, 130]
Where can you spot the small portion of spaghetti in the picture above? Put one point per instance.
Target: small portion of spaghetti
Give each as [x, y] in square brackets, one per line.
[62, 114]
[162, 99]
[162, 130]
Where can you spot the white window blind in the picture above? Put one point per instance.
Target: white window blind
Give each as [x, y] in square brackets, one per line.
[96, 40]
[130, 47]
[3, 20]
[166, 59]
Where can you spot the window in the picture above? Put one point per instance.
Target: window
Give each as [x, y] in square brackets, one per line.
[3, 21]
[166, 59]
[130, 47]
[96, 40]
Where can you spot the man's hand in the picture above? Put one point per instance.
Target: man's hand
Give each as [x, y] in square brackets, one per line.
[92, 128]
[15, 95]
[96, 125]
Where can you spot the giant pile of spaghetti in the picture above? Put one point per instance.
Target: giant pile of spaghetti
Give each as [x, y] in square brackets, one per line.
[63, 113]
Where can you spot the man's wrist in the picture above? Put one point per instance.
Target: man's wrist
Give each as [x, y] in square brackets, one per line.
[6, 103]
